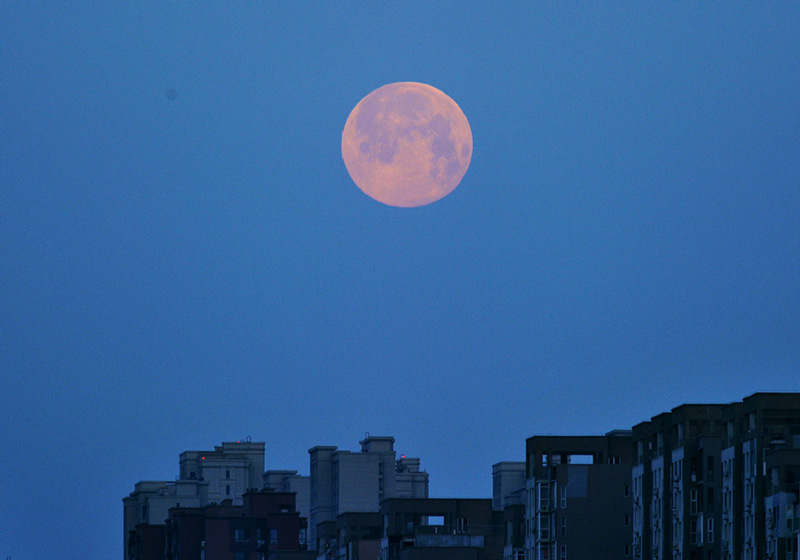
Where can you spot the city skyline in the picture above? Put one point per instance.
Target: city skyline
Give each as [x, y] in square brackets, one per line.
[186, 260]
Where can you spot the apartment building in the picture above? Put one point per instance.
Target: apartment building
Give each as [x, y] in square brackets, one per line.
[347, 482]
[267, 523]
[440, 529]
[578, 502]
[759, 477]
[353, 536]
[206, 477]
[677, 483]
[290, 481]
[508, 496]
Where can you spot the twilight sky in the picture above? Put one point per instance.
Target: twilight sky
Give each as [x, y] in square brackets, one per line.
[179, 272]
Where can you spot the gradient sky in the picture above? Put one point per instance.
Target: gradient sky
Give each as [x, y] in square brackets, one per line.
[179, 272]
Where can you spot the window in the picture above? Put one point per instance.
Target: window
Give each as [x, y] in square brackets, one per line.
[710, 530]
[627, 520]
[461, 524]
[563, 526]
[240, 556]
[544, 526]
[627, 490]
[693, 499]
[627, 550]
[227, 489]
[273, 536]
[240, 535]
[227, 473]
[563, 552]
[563, 490]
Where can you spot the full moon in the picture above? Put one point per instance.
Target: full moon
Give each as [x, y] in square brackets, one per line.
[407, 144]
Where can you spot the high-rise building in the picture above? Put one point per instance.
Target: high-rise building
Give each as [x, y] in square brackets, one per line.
[441, 529]
[290, 481]
[676, 484]
[206, 477]
[267, 523]
[508, 496]
[347, 482]
[578, 501]
[714, 481]
[760, 473]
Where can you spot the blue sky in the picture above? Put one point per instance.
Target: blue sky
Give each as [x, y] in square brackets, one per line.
[179, 272]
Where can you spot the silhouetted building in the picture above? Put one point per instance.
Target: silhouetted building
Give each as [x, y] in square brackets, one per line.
[441, 529]
[346, 482]
[760, 476]
[676, 483]
[205, 477]
[508, 496]
[267, 523]
[782, 502]
[290, 481]
[578, 501]
[353, 536]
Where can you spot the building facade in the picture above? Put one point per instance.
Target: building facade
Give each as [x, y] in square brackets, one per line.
[440, 529]
[346, 482]
[578, 501]
[265, 524]
[760, 477]
[353, 536]
[508, 496]
[677, 484]
[206, 477]
[290, 481]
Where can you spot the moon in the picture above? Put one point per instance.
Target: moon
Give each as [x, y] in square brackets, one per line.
[407, 144]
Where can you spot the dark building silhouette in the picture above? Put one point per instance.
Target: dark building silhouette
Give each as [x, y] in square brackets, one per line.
[345, 482]
[353, 536]
[715, 481]
[760, 477]
[441, 529]
[266, 524]
[578, 501]
[508, 496]
[677, 502]
[211, 476]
